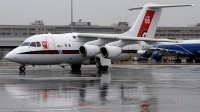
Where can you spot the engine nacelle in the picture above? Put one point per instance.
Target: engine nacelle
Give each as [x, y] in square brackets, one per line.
[110, 51]
[156, 55]
[146, 54]
[89, 50]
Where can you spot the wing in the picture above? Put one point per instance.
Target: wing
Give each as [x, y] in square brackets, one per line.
[168, 52]
[124, 39]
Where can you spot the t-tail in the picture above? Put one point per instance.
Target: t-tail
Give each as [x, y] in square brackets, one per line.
[147, 21]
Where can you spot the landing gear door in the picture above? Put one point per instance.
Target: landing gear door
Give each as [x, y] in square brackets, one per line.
[50, 43]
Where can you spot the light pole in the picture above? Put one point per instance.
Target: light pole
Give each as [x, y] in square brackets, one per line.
[71, 16]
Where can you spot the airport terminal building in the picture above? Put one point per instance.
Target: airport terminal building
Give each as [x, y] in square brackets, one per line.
[13, 35]
[38, 27]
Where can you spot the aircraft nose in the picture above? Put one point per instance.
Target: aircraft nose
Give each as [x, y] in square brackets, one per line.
[11, 56]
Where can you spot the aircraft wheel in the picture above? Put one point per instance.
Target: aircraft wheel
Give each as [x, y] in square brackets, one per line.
[22, 68]
[102, 68]
[99, 66]
[197, 60]
[178, 60]
[189, 60]
[76, 67]
[105, 68]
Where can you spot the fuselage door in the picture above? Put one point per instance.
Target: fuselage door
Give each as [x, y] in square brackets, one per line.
[50, 42]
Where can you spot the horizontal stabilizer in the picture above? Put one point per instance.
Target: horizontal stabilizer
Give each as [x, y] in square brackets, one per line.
[154, 6]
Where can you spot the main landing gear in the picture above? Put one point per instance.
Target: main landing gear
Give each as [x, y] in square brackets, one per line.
[189, 60]
[197, 60]
[177, 60]
[99, 66]
[76, 67]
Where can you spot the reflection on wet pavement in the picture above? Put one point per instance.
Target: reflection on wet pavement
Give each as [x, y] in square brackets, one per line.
[127, 88]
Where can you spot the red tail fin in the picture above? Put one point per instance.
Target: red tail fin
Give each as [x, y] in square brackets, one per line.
[146, 23]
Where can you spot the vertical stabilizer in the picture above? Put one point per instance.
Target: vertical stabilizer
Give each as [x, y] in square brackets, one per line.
[147, 21]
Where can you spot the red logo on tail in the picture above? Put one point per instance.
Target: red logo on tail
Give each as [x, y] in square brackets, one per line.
[146, 23]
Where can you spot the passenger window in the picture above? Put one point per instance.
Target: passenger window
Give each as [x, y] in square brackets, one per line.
[33, 44]
[65, 45]
[38, 44]
[69, 45]
[25, 44]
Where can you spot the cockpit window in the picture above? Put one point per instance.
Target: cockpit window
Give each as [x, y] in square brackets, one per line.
[38, 44]
[25, 44]
[33, 44]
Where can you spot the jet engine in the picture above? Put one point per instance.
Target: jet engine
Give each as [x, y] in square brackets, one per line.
[156, 56]
[146, 54]
[110, 51]
[89, 50]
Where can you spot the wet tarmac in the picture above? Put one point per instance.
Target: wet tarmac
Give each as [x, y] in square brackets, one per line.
[125, 87]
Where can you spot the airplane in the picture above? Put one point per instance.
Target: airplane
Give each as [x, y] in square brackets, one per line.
[184, 48]
[76, 49]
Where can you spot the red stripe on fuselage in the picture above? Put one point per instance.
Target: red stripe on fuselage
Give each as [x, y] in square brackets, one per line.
[129, 51]
[146, 23]
[45, 52]
[67, 52]
[52, 52]
[70, 51]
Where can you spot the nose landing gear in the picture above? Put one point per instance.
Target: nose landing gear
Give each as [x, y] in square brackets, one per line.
[22, 68]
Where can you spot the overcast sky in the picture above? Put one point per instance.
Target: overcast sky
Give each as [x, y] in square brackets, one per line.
[98, 12]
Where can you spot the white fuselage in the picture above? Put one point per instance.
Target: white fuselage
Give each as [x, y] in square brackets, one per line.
[60, 49]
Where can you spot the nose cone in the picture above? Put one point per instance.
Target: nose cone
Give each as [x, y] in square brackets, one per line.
[11, 56]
